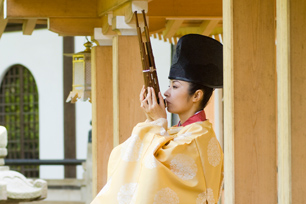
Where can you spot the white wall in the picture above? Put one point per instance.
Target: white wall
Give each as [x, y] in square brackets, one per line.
[162, 57]
[41, 53]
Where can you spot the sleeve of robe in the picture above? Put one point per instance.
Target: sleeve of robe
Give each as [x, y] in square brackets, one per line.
[181, 165]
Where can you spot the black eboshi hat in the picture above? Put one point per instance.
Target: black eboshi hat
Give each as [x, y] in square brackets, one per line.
[198, 59]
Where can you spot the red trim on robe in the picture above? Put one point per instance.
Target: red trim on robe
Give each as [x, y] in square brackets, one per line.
[197, 117]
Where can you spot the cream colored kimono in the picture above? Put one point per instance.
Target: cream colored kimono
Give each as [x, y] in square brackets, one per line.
[154, 166]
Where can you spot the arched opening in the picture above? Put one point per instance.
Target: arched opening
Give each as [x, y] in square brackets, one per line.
[19, 113]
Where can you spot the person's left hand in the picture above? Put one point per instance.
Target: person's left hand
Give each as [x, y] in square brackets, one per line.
[150, 106]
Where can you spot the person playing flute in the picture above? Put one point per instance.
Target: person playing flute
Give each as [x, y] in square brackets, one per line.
[181, 164]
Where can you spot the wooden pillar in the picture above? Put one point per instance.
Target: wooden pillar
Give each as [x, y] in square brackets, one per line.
[291, 43]
[102, 113]
[298, 98]
[127, 83]
[116, 84]
[249, 101]
[69, 109]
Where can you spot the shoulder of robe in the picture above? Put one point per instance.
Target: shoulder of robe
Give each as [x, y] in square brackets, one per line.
[147, 126]
[191, 132]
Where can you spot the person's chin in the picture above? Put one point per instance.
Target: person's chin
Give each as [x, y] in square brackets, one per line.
[169, 109]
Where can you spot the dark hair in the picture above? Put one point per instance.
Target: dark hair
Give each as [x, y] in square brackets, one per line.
[207, 92]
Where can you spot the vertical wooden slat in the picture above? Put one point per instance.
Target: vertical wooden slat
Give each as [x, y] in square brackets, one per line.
[229, 122]
[28, 26]
[22, 116]
[250, 101]
[207, 27]
[298, 98]
[171, 27]
[102, 114]
[283, 101]
[69, 109]
[116, 91]
[3, 23]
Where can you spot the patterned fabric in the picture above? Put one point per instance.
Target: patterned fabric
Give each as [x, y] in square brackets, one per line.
[157, 165]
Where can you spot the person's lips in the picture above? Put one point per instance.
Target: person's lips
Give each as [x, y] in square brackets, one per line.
[167, 102]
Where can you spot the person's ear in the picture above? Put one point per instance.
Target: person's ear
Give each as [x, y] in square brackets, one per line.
[197, 96]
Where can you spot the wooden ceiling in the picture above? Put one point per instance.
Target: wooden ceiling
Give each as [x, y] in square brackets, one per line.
[168, 19]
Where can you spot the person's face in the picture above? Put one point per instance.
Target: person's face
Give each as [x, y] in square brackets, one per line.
[177, 97]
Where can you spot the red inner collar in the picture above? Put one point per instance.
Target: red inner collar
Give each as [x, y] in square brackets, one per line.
[197, 117]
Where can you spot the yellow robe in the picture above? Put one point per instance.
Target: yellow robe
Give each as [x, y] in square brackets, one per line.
[154, 166]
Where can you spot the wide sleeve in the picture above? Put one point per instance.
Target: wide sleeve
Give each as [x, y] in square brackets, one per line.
[132, 150]
[181, 165]
[212, 163]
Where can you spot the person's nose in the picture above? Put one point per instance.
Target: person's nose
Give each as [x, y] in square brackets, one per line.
[166, 94]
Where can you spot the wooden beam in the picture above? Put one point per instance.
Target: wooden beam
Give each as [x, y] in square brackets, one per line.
[106, 26]
[156, 24]
[217, 37]
[250, 102]
[102, 114]
[74, 26]
[171, 27]
[21, 21]
[208, 26]
[106, 6]
[12, 27]
[298, 98]
[185, 9]
[54, 8]
[1, 7]
[133, 6]
[28, 26]
[3, 23]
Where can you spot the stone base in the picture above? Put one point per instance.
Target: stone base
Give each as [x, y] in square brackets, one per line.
[14, 187]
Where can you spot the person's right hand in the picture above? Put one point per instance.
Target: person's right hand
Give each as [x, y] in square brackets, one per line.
[151, 107]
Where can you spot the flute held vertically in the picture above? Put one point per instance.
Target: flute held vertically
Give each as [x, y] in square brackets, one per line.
[147, 58]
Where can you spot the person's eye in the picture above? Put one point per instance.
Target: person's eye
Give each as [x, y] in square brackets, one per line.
[175, 87]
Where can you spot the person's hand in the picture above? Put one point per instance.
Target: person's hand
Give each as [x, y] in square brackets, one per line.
[149, 104]
[142, 97]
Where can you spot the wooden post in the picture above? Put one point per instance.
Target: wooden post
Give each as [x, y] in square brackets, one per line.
[298, 98]
[69, 109]
[116, 84]
[249, 101]
[128, 81]
[102, 113]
